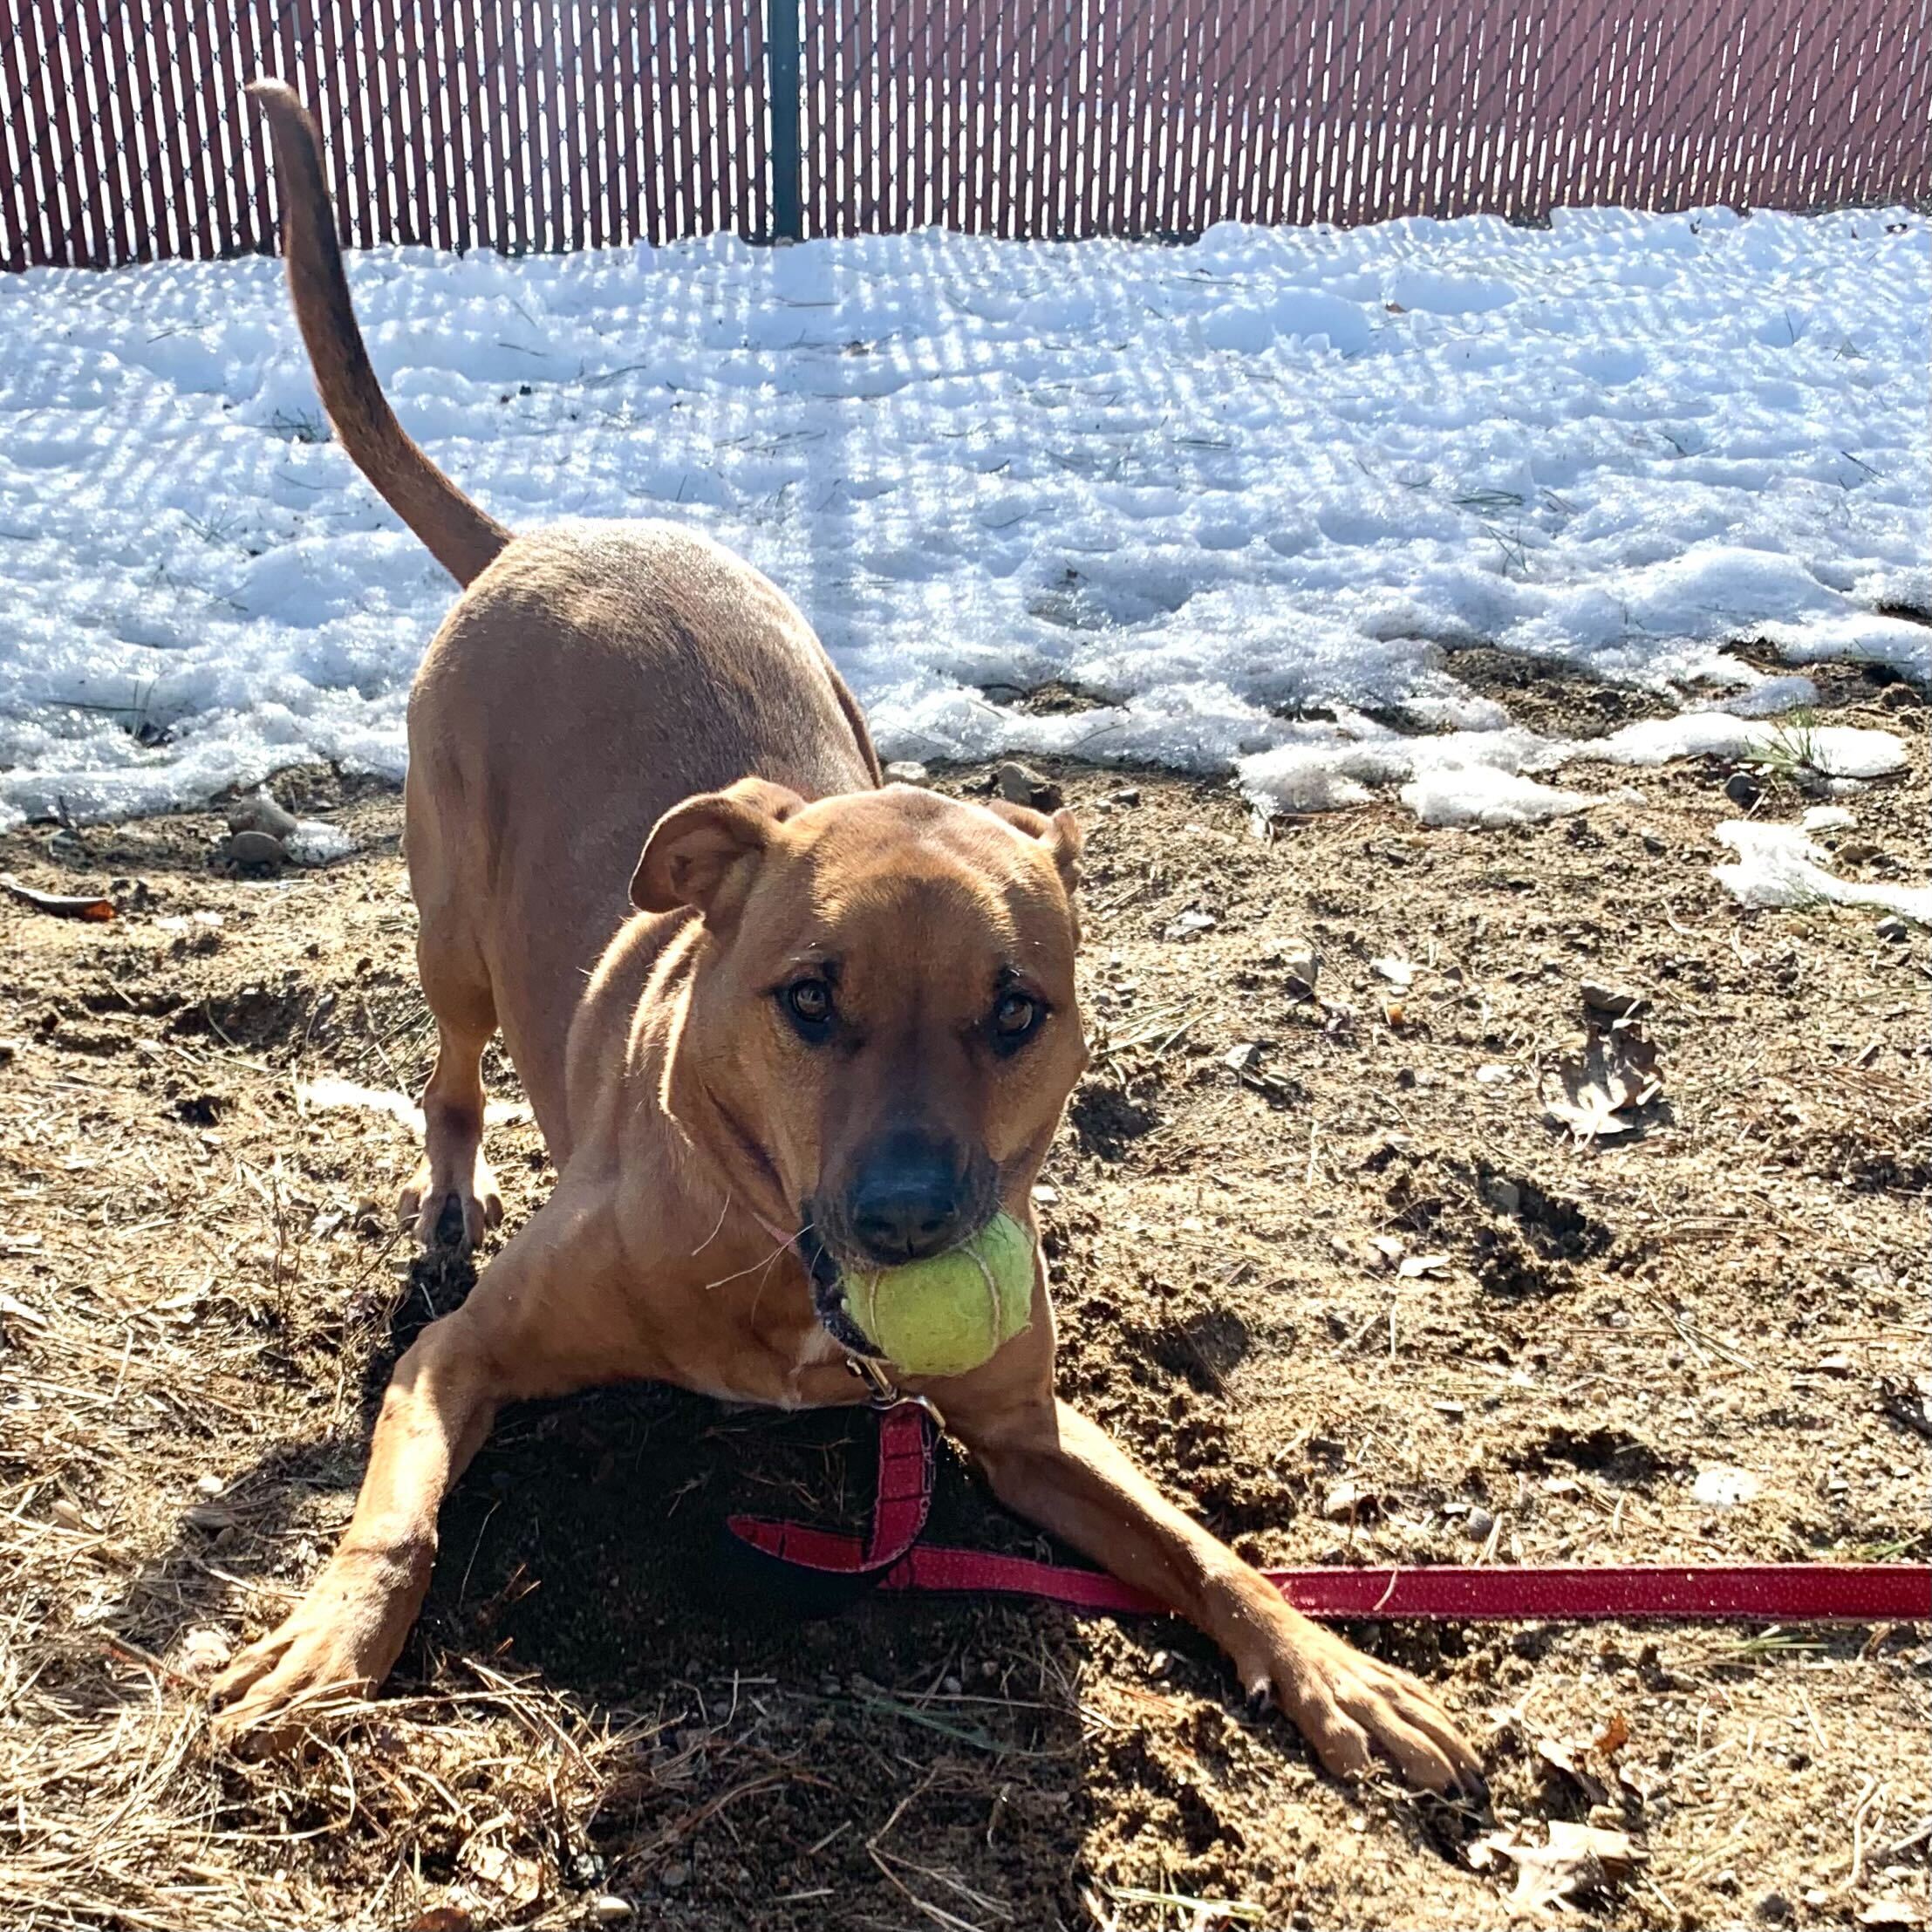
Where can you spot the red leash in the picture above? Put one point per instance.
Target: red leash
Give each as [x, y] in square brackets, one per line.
[1747, 1593]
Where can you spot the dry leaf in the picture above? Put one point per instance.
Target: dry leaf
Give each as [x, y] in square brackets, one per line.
[1597, 1093]
[1909, 1402]
[1898, 1910]
[1575, 1861]
[517, 1880]
[62, 905]
[1614, 1734]
[1567, 1758]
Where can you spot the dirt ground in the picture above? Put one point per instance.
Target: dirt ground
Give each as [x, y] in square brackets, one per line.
[203, 1292]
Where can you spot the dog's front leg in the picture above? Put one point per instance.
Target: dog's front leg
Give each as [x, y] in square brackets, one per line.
[1049, 1463]
[528, 1328]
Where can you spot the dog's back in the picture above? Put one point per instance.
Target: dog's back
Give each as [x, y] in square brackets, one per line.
[591, 676]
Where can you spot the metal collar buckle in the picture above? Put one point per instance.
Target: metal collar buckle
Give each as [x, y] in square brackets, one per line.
[883, 1395]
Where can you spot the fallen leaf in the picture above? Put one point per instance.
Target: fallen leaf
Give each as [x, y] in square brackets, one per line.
[1598, 1093]
[518, 1880]
[1614, 1734]
[1346, 1499]
[1909, 1402]
[202, 1652]
[61, 905]
[1569, 1758]
[1612, 1002]
[1575, 1861]
[1891, 1911]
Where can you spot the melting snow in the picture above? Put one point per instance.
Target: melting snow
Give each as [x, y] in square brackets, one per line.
[1213, 486]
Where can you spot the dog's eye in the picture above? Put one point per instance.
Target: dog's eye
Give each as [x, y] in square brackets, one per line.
[1015, 1016]
[809, 1002]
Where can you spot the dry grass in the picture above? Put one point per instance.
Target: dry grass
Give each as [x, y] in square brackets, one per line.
[201, 1293]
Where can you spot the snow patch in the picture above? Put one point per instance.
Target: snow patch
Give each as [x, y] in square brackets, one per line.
[1223, 484]
[1479, 795]
[1836, 751]
[1777, 865]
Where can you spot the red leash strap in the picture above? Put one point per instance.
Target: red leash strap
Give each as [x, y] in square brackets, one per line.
[900, 1506]
[1744, 1593]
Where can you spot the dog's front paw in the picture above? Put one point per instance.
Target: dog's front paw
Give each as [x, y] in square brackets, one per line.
[339, 1642]
[451, 1209]
[1353, 1709]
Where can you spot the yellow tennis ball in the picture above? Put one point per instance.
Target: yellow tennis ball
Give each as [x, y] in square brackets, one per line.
[951, 1312]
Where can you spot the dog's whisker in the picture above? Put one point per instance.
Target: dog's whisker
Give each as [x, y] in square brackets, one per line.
[712, 1236]
[739, 1274]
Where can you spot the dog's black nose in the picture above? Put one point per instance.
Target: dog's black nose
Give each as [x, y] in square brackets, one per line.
[908, 1201]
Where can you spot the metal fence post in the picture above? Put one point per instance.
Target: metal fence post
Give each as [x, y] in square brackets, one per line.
[781, 56]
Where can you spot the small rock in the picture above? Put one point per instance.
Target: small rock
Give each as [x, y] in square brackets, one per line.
[1856, 852]
[906, 771]
[1127, 795]
[1725, 1488]
[1773, 1908]
[1243, 1059]
[673, 1875]
[1449, 1411]
[255, 851]
[607, 1909]
[1741, 789]
[1021, 785]
[1892, 928]
[1494, 1073]
[1397, 970]
[259, 812]
[1477, 1525]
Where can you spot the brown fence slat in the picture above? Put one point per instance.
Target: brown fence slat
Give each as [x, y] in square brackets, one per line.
[520, 124]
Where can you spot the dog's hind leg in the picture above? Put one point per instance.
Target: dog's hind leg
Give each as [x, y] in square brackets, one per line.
[453, 1198]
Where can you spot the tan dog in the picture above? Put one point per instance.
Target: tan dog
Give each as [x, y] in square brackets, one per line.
[832, 1023]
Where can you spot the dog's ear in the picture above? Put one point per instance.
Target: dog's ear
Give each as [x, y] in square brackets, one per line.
[695, 847]
[1060, 835]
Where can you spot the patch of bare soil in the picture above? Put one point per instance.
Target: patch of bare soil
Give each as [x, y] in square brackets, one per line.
[1321, 1262]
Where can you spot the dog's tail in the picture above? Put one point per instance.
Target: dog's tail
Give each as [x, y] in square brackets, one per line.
[459, 537]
